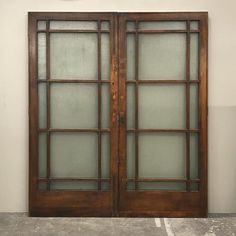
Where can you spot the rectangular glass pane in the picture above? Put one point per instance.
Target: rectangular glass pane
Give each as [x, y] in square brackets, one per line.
[162, 155]
[130, 155]
[105, 56]
[194, 106]
[162, 25]
[194, 156]
[41, 25]
[105, 25]
[76, 25]
[74, 105]
[42, 149]
[194, 187]
[78, 185]
[162, 56]
[130, 103]
[42, 105]
[105, 106]
[130, 57]
[130, 25]
[42, 185]
[194, 56]
[162, 186]
[194, 25]
[74, 155]
[73, 56]
[130, 186]
[105, 155]
[41, 56]
[162, 106]
[105, 186]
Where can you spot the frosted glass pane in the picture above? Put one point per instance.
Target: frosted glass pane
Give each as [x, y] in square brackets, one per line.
[105, 106]
[105, 56]
[74, 106]
[41, 25]
[130, 25]
[105, 25]
[194, 25]
[42, 186]
[130, 96]
[162, 106]
[194, 56]
[162, 56]
[130, 57]
[130, 186]
[42, 139]
[79, 25]
[194, 156]
[105, 155]
[42, 96]
[194, 187]
[162, 155]
[130, 155]
[193, 106]
[41, 56]
[73, 56]
[163, 186]
[83, 185]
[74, 155]
[105, 186]
[160, 25]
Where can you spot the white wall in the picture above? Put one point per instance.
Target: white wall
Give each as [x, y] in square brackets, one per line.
[14, 91]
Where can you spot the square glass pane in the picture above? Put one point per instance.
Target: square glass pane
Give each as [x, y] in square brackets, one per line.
[130, 103]
[194, 187]
[130, 155]
[194, 106]
[105, 56]
[41, 25]
[194, 156]
[42, 149]
[74, 105]
[73, 56]
[76, 25]
[162, 155]
[130, 25]
[194, 56]
[41, 56]
[162, 106]
[194, 25]
[105, 106]
[130, 186]
[42, 105]
[105, 155]
[130, 57]
[162, 25]
[77, 185]
[105, 186]
[162, 56]
[162, 186]
[42, 186]
[105, 25]
[74, 155]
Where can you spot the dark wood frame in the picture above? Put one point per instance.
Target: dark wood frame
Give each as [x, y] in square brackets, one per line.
[118, 201]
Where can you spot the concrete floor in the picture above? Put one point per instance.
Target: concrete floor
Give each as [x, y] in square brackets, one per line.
[19, 224]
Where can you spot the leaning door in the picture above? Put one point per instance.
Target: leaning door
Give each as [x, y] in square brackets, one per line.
[73, 103]
[163, 109]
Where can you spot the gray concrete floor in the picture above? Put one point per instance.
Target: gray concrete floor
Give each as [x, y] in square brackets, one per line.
[20, 224]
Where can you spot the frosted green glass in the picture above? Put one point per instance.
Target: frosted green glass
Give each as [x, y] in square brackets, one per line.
[130, 25]
[77, 25]
[41, 56]
[162, 186]
[74, 155]
[73, 56]
[105, 186]
[194, 156]
[194, 57]
[74, 105]
[79, 185]
[42, 185]
[130, 101]
[194, 25]
[162, 155]
[162, 56]
[41, 25]
[105, 25]
[162, 25]
[194, 187]
[130, 57]
[105, 155]
[105, 56]
[105, 106]
[130, 155]
[130, 186]
[42, 149]
[42, 107]
[193, 106]
[162, 106]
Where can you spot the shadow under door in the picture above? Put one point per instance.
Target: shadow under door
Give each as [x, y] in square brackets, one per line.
[118, 114]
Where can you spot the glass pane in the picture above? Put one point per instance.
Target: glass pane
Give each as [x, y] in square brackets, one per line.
[163, 25]
[194, 187]
[130, 106]
[162, 186]
[105, 25]
[162, 106]
[130, 25]
[41, 25]
[130, 155]
[73, 56]
[42, 186]
[193, 106]
[105, 56]
[105, 155]
[74, 105]
[194, 56]
[194, 25]
[194, 156]
[130, 186]
[83, 185]
[42, 154]
[105, 106]
[41, 56]
[162, 155]
[162, 56]
[77, 25]
[42, 100]
[130, 57]
[105, 186]
[74, 155]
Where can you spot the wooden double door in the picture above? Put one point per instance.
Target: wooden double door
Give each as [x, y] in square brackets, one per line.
[118, 114]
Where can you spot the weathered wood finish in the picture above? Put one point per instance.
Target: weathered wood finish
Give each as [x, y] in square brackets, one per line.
[118, 201]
